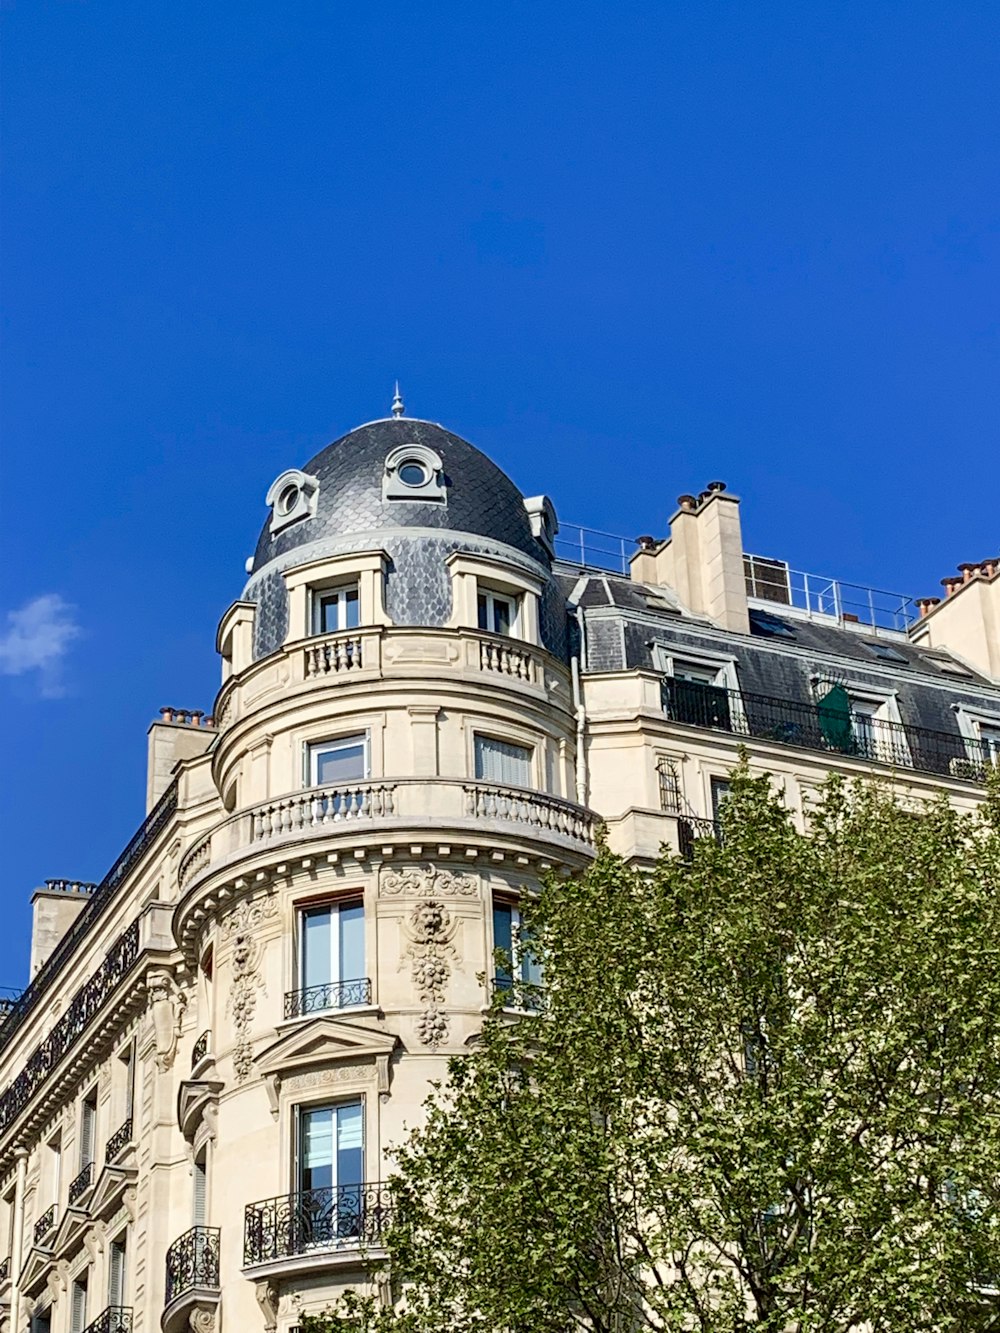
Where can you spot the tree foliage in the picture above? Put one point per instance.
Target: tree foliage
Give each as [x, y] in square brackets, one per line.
[761, 1091]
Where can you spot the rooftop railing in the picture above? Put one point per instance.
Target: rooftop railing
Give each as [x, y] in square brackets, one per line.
[97, 901]
[857, 736]
[775, 582]
[594, 549]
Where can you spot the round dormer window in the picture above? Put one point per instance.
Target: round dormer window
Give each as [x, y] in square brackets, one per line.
[413, 473]
[287, 500]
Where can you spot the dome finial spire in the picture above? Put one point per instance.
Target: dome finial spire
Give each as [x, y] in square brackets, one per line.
[397, 403]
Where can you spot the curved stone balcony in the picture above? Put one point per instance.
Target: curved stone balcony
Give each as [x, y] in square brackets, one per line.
[475, 817]
[384, 652]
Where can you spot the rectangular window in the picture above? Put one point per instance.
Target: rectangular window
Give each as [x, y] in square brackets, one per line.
[343, 760]
[720, 794]
[78, 1305]
[336, 609]
[42, 1321]
[88, 1129]
[989, 738]
[332, 972]
[127, 1060]
[116, 1271]
[511, 937]
[330, 1173]
[500, 761]
[669, 781]
[496, 613]
[55, 1168]
[692, 694]
[199, 1208]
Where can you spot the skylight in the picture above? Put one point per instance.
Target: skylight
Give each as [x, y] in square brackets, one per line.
[886, 653]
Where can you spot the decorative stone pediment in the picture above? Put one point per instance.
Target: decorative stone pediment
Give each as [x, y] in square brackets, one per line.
[198, 1110]
[115, 1186]
[329, 1046]
[38, 1267]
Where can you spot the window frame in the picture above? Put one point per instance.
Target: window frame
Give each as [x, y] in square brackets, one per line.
[520, 951]
[313, 749]
[299, 1111]
[492, 597]
[332, 906]
[530, 749]
[340, 593]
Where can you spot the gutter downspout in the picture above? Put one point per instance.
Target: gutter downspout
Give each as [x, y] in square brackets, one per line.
[17, 1237]
[578, 708]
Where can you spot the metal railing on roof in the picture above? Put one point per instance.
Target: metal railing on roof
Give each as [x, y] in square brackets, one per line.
[775, 582]
[594, 549]
[102, 894]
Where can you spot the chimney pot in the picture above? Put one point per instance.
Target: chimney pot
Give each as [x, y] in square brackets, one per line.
[645, 543]
[687, 503]
[715, 486]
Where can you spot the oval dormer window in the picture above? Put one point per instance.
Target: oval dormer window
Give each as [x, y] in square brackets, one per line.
[412, 473]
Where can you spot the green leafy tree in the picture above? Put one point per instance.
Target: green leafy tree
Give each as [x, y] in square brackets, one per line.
[761, 1091]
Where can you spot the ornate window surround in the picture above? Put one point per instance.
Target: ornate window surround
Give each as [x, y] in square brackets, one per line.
[498, 575]
[366, 568]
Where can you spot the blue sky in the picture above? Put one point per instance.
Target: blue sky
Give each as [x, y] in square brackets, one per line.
[625, 249]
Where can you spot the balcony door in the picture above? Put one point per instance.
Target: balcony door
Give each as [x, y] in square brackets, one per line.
[333, 956]
[330, 1170]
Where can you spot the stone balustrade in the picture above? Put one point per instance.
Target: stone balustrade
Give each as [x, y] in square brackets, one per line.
[381, 652]
[432, 807]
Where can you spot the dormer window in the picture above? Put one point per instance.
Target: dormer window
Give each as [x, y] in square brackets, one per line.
[292, 497]
[496, 613]
[414, 472]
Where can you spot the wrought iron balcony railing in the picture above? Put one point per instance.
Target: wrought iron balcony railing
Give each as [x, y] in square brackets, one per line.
[200, 1048]
[340, 1217]
[118, 1141]
[193, 1261]
[82, 1183]
[114, 1319]
[5, 1271]
[45, 1224]
[82, 1008]
[154, 822]
[858, 736]
[332, 995]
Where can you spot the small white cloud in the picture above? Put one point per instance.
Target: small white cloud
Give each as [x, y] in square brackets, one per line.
[36, 639]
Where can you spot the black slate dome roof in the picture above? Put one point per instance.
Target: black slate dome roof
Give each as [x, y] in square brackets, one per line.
[481, 499]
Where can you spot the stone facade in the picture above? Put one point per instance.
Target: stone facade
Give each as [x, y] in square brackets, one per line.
[195, 1121]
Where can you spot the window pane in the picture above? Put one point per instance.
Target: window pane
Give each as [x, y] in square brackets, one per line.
[352, 941]
[484, 611]
[351, 608]
[501, 615]
[317, 952]
[350, 1155]
[317, 1148]
[503, 938]
[498, 761]
[343, 762]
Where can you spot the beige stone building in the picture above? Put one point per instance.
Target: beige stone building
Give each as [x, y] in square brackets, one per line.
[429, 696]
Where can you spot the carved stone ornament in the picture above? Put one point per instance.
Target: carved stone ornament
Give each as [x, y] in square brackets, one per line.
[167, 1003]
[427, 882]
[242, 926]
[430, 928]
[202, 1319]
[268, 1297]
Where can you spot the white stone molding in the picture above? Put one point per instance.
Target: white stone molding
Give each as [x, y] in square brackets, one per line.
[323, 1051]
[241, 927]
[268, 1298]
[167, 1002]
[426, 882]
[430, 929]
